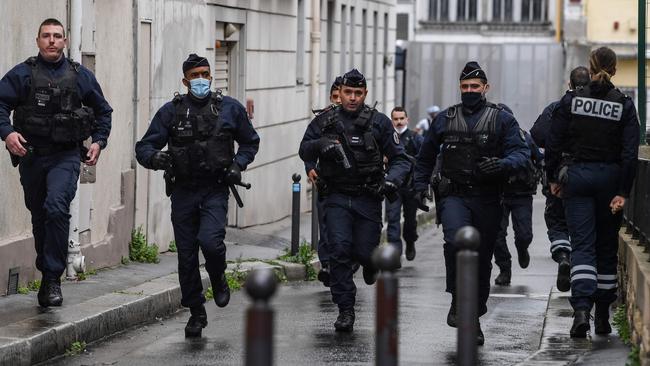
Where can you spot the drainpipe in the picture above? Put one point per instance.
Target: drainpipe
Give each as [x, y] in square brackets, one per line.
[314, 78]
[75, 261]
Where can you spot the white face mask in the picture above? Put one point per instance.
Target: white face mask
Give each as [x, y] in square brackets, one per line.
[401, 130]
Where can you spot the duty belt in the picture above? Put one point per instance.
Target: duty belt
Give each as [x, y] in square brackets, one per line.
[356, 189]
[53, 149]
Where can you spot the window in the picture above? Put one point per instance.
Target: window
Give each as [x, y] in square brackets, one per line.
[439, 10]
[534, 10]
[502, 10]
[466, 10]
[402, 26]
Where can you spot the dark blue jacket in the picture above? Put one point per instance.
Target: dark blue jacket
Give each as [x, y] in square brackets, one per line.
[542, 126]
[384, 133]
[559, 138]
[234, 118]
[15, 87]
[515, 152]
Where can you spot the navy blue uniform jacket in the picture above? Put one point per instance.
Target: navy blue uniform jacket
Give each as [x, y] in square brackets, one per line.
[15, 85]
[234, 119]
[514, 150]
[384, 133]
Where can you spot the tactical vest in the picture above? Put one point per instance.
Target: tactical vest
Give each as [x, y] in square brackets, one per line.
[360, 146]
[199, 145]
[462, 149]
[53, 108]
[595, 129]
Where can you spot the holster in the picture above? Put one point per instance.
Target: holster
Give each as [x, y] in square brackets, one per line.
[169, 182]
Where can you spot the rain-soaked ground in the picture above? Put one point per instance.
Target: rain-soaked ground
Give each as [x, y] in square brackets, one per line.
[304, 333]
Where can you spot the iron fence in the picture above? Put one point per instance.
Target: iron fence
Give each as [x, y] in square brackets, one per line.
[636, 214]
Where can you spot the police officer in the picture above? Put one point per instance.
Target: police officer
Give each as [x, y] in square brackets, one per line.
[349, 142]
[411, 141]
[199, 129]
[312, 173]
[518, 192]
[591, 163]
[557, 231]
[480, 144]
[57, 104]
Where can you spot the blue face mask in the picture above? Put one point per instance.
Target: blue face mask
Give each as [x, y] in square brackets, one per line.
[200, 87]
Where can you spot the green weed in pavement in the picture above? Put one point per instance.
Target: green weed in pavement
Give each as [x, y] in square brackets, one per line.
[140, 250]
[304, 256]
[76, 348]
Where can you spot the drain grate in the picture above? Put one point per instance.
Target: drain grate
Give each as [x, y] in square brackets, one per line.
[12, 287]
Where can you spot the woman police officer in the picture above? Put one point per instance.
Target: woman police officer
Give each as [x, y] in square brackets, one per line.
[591, 161]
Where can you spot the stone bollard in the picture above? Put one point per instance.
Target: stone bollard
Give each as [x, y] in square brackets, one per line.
[467, 241]
[260, 286]
[387, 259]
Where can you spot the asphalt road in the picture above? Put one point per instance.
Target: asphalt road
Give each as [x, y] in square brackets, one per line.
[304, 320]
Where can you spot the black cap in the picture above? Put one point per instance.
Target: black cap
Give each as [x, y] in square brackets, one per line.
[473, 70]
[354, 79]
[336, 84]
[194, 60]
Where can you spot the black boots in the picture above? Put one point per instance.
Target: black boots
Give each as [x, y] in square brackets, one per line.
[503, 279]
[198, 321]
[563, 271]
[369, 275]
[580, 324]
[523, 257]
[601, 319]
[345, 320]
[451, 315]
[410, 250]
[50, 293]
[221, 292]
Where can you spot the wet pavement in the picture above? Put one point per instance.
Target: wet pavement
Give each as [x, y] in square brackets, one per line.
[304, 316]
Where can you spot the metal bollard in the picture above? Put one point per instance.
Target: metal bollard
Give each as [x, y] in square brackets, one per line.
[260, 286]
[295, 213]
[387, 259]
[314, 217]
[467, 241]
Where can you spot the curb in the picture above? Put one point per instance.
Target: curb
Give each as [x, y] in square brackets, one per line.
[556, 347]
[50, 333]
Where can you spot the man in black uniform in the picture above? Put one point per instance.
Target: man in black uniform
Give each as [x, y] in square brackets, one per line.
[57, 104]
[517, 202]
[557, 231]
[411, 141]
[480, 145]
[312, 172]
[349, 142]
[200, 129]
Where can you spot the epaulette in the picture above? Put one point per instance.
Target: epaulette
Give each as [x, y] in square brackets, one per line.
[31, 61]
[178, 97]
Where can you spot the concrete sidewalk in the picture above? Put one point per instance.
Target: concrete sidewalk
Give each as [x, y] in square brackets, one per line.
[119, 298]
[557, 348]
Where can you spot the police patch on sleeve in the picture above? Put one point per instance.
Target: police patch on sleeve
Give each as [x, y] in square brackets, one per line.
[396, 137]
[598, 108]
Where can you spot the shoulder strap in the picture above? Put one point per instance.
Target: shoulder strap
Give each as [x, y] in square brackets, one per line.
[327, 119]
[31, 61]
[178, 98]
[455, 120]
[365, 117]
[74, 65]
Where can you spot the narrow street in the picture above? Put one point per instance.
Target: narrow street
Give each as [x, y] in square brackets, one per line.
[304, 316]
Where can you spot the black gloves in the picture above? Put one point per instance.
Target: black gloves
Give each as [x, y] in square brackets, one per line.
[421, 200]
[161, 161]
[490, 166]
[233, 174]
[327, 148]
[389, 188]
